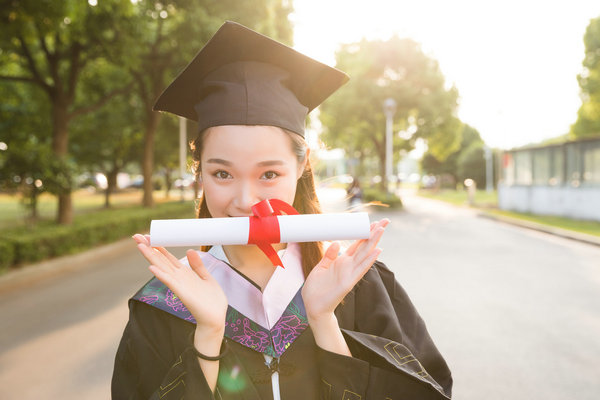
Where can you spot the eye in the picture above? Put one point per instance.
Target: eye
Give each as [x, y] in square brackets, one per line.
[220, 174]
[269, 175]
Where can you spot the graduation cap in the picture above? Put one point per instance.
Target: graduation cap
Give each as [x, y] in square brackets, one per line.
[241, 77]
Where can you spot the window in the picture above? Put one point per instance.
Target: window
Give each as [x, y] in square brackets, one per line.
[573, 164]
[508, 168]
[591, 164]
[558, 166]
[541, 167]
[523, 173]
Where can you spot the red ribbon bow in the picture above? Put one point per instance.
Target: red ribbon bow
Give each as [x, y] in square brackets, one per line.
[264, 226]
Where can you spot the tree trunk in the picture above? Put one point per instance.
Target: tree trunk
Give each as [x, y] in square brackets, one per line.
[60, 144]
[33, 203]
[148, 161]
[111, 185]
[382, 183]
[168, 182]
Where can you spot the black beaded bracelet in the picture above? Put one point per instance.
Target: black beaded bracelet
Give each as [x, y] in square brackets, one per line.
[223, 350]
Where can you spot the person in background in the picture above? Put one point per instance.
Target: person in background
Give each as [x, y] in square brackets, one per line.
[354, 193]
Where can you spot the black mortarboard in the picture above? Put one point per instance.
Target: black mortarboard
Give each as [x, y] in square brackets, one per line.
[241, 77]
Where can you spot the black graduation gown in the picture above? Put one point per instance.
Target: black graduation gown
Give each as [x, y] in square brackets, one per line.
[393, 355]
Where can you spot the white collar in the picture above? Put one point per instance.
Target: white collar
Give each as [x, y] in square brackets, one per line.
[266, 307]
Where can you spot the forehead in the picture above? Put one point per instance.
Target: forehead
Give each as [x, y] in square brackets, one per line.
[238, 143]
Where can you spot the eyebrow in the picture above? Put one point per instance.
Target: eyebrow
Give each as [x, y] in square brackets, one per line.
[219, 161]
[267, 163]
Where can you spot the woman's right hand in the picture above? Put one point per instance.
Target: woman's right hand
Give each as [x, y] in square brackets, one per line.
[195, 287]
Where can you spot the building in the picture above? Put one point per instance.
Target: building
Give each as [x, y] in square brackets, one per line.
[558, 179]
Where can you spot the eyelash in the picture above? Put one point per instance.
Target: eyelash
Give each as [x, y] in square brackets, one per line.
[219, 175]
[275, 175]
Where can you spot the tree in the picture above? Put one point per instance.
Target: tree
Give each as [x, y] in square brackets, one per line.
[466, 162]
[471, 164]
[49, 44]
[167, 159]
[588, 116]
[27, 163]
[109, 139]
[354, 119]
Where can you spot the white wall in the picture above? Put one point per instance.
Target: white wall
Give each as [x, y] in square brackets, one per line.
[578, 203]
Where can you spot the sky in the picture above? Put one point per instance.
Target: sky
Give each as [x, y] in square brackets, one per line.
[514, 63]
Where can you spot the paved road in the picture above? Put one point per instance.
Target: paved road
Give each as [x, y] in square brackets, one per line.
[515, 312]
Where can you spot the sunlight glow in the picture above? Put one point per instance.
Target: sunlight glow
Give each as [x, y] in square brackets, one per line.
[515, 63]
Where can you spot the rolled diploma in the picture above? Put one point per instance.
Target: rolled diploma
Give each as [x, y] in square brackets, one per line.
[235, 230]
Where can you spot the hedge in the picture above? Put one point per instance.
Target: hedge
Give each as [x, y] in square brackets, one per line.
[25, 245]
[389, 199]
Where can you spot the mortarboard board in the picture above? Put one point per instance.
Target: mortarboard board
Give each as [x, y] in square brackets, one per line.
[241, 77]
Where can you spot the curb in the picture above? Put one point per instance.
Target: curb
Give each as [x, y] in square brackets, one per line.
[30, 274]
[565, 233]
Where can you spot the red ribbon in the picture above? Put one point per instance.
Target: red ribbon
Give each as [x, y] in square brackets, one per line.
[264, 226]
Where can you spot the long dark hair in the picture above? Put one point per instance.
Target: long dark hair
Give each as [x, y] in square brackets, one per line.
[305, 201]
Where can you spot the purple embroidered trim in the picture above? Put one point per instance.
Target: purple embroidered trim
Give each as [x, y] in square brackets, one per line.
[238, 327]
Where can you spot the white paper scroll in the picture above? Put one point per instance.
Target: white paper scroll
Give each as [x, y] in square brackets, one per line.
[235, 230]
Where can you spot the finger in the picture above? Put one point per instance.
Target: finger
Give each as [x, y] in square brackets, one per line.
[374, 225]
[197, 265]
[330, 255]
[162, 276]
[172, 259]
[362, 252]
[140, 239]
[366, 264]
[352, 248]
[380, 224]
[155, 257]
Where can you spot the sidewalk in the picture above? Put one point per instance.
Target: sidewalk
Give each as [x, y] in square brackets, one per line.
[30, 274]
[565, 233]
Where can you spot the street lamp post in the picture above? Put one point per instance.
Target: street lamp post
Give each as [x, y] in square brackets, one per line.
[489, 169]
[182, 152]
[389, 108]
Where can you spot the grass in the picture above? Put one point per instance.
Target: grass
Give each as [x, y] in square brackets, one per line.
[482, 199]
[13, 213]
[587, 227]
[489, 203]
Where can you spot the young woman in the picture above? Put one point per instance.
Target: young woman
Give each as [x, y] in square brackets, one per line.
[226, 323]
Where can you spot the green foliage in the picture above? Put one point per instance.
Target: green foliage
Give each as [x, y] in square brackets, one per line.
[52, 45]
[163, 38]
[466, 162]
[76, 58]
[381, 196]
[28, 166]
[471, 164]
[26, 245]
[588, 116]
[7, 254]
[354, 118]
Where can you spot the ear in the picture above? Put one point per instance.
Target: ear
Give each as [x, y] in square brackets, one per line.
[303, 164]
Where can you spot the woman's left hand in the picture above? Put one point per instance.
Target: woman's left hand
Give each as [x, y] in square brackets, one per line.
[336, 274]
